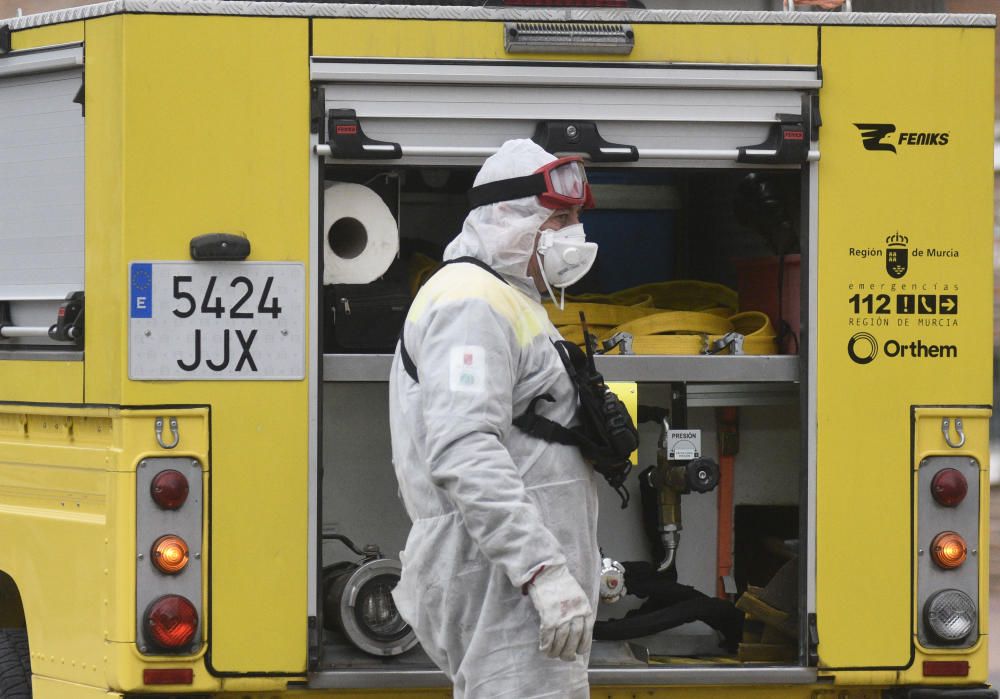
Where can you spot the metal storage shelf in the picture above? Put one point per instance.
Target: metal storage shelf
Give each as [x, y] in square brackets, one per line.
[663, 369]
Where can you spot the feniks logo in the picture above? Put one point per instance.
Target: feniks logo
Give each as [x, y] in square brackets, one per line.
[872, 135]
[882, 137]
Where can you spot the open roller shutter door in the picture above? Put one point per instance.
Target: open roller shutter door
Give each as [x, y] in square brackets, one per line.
[435, 110]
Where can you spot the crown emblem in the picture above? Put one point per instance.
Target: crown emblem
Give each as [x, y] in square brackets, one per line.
[897, 240]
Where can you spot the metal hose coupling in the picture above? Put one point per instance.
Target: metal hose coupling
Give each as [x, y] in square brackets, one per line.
[612, 586]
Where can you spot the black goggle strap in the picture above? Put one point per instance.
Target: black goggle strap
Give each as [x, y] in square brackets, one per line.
[506, 190]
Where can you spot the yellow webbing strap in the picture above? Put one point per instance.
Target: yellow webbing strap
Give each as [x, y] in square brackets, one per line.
[597, 314]
[759, 336]
[683, 295]
[693, 333]
[640, 300]
[673, 322]
[697, 315]
[753, 323]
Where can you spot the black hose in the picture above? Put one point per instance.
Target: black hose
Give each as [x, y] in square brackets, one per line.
[669, 604]
[720, 614]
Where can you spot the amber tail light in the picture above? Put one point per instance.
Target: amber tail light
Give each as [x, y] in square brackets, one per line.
[170, 554]
[949, 550]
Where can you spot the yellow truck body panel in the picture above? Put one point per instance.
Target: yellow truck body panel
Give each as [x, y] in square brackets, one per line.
[930, 196]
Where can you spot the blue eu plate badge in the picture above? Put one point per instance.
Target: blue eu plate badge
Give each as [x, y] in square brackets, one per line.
[142, 290]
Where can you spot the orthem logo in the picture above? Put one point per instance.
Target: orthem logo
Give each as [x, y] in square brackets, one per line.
[896, 255]
[862, 348]
[879, 137]
[872, 135]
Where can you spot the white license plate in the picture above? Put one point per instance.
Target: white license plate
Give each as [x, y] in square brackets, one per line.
[216, 320]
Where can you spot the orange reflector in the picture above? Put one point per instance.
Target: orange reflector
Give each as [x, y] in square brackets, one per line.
[949, 550]
[174, 675]
[946, 668]
[170, 554]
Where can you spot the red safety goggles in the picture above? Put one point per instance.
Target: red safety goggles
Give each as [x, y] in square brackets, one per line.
[561, 184]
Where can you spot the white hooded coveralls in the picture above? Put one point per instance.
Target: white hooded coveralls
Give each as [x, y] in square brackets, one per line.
[490, 505]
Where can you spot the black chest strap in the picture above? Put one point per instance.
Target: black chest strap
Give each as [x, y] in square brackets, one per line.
[408, 365]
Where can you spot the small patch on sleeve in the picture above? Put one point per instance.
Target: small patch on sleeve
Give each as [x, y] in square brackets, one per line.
[467, 369]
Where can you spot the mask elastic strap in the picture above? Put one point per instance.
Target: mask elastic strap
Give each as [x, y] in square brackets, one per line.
[548, 287]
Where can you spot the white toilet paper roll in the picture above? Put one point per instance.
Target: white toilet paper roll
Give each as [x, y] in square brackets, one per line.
[359, 232]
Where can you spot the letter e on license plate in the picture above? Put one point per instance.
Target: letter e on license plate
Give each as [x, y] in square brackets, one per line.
[216, 320]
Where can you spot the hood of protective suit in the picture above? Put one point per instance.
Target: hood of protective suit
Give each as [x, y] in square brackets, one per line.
[503, 234]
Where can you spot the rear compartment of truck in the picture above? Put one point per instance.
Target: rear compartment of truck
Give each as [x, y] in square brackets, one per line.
[685, 220]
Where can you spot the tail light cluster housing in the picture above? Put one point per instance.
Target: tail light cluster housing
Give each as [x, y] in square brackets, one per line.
[948, 552]
[168, 555]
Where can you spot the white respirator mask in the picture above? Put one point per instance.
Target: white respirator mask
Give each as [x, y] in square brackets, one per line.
[564, 257]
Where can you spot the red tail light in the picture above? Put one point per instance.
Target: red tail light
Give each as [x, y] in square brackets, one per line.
[171, 622]
[169, 489]
[949, 487]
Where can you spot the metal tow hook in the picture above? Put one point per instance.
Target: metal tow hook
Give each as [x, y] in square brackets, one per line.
[945, 430]
[174, 432]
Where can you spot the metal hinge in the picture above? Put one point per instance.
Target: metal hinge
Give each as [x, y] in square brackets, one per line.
[313, 638]
[317, 105]
[812, 640]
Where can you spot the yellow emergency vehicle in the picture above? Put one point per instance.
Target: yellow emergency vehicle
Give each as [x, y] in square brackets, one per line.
[212, 218]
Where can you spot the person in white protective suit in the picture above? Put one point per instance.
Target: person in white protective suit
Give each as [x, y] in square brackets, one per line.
[501, 567]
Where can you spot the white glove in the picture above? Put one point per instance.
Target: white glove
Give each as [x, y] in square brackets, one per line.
[567, 626]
